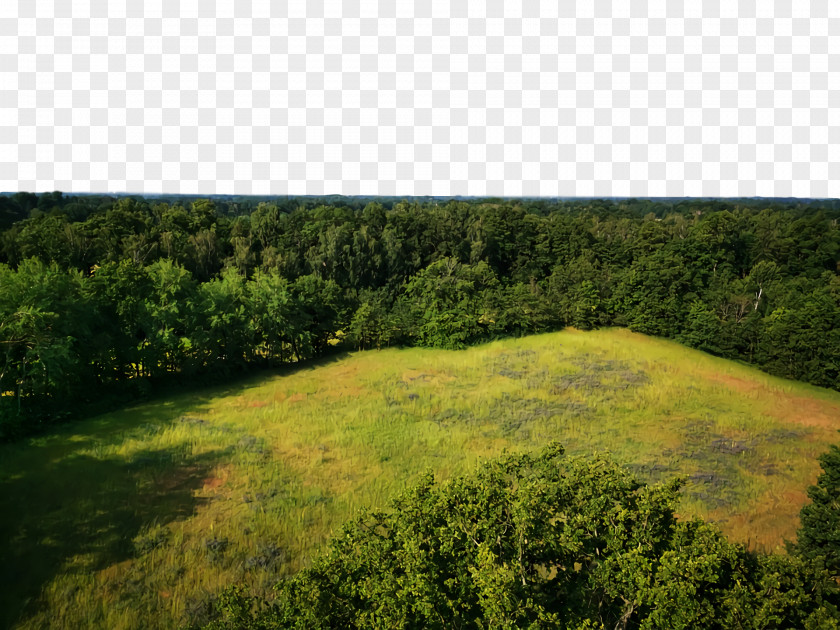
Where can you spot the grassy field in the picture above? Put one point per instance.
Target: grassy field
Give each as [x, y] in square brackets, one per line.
[135, 519]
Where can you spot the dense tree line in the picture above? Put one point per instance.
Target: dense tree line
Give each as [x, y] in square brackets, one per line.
[103, 294]
[544, 542]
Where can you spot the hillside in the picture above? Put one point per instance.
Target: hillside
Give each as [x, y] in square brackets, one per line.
[135, 519]
[108, 298]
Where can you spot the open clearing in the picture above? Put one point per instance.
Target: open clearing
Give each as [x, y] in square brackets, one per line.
[135, 519]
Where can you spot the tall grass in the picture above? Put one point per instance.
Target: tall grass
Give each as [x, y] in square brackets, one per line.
[137, 519]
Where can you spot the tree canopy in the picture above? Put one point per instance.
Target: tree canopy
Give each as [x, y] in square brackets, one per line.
[111, 295]
[818, 538]
[540, 541]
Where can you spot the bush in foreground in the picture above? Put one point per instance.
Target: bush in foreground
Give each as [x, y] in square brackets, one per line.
[540, 541]
[818, 538]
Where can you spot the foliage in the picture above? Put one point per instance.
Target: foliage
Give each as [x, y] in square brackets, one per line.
[539, 542]
[819, 536]
[42, 318]
[151, 288]
[453, 303]
[371, 325]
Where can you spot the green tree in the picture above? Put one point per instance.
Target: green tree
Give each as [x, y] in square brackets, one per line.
[370, 326]
[587, 306]
[44, 327]
[650, 294]
[539, 541]
[242, 246]
[222, 338]
[272, 309]
[169, 318]
[454, 304]
[703, 329]
[818, 537]
[121, 291]
[523, 310]
[321, 310]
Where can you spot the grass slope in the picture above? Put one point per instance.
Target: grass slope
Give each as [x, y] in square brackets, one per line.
[134, 519]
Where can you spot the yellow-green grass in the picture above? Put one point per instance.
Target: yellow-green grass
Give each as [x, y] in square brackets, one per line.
[135, 519]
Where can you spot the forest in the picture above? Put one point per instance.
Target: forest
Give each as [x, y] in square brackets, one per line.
[105, 300]
[105, 297]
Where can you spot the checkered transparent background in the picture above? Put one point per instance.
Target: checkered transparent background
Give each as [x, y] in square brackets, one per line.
[553, 98]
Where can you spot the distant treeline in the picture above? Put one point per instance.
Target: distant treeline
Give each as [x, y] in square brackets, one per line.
[104, 295]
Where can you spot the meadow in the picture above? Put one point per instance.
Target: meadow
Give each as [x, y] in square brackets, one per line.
[136, 519]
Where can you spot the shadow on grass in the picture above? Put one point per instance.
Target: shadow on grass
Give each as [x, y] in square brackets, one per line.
[14, 430]
[65, 510]
[223, 384]
[80, 514]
